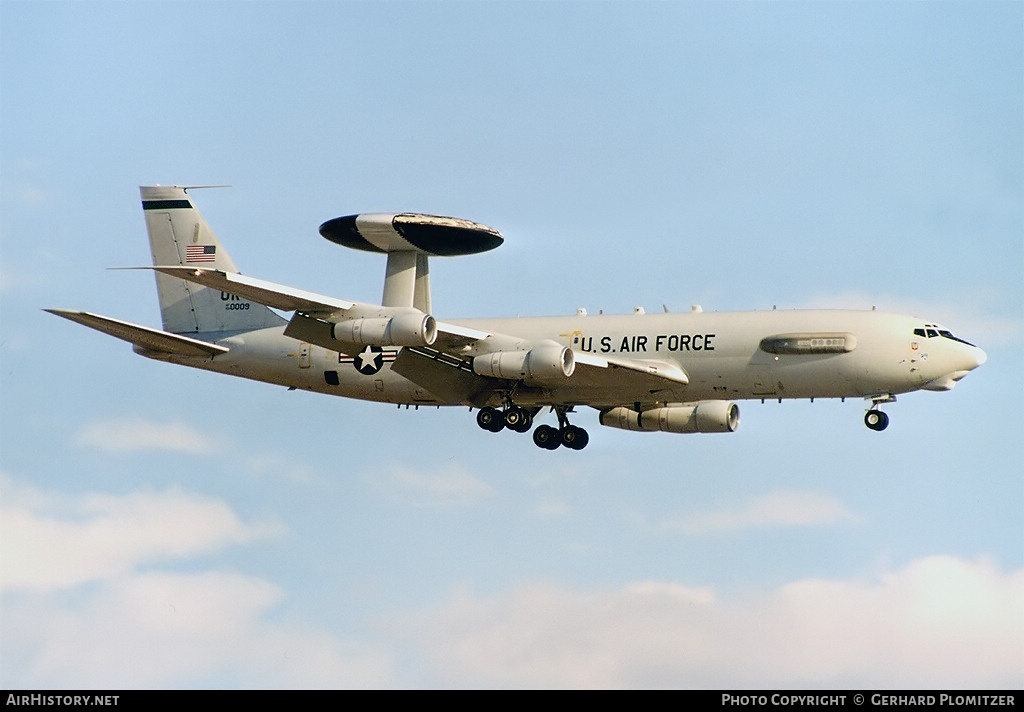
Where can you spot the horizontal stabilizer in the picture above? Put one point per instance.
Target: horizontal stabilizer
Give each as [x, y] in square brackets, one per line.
[141, 336]
[260, 291]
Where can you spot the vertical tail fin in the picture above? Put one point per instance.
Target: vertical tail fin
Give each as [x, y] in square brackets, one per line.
[178, 235]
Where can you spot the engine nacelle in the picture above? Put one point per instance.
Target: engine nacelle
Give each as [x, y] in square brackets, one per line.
[409, 329]
[702, 417]
[543, 365]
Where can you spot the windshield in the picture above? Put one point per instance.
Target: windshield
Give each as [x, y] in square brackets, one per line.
[930, 331]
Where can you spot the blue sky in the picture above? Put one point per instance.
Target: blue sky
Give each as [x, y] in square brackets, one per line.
[161, 527]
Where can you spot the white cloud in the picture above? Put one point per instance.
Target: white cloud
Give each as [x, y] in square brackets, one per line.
[83, 606]
[277, 465]
[122, 435]
[449, 487]
[138, 434]
[773, 509]
[937, 622]
[49, 543]
[172, 630]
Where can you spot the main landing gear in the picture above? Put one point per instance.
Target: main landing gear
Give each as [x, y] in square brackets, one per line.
[513, 418]
[520, 420]
[875, 419]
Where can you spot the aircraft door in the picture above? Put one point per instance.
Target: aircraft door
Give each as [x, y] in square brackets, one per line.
[576, 341]
[304, 355]
[762, 381]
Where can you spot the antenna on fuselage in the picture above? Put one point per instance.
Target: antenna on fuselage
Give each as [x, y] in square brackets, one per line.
[409, 239]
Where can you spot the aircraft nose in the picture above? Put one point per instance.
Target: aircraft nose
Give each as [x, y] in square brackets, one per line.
[976, 358]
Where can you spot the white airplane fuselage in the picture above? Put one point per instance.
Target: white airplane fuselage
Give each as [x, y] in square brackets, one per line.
[719, 351]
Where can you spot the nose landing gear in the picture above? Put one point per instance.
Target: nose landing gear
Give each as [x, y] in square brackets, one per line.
[875, 419]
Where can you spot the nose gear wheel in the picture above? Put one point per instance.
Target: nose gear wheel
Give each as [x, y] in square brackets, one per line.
[876, 420]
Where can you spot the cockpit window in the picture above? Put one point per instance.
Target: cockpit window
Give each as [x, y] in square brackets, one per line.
[949, 335]
[934, 330]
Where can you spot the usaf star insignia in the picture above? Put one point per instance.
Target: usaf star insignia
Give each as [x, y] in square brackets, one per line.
[370, 360]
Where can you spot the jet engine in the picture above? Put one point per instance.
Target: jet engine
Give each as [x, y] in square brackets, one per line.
[543, 365]
[412, 328]
[702, 417]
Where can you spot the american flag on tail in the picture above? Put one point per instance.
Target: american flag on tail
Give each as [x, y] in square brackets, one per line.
[200, 253]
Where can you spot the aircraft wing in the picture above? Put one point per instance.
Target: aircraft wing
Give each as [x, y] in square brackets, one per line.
[596, 380]
[660, 374]
[279, 296]
[142, 336]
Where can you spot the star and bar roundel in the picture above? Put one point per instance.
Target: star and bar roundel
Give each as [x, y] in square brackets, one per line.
[370, 360]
